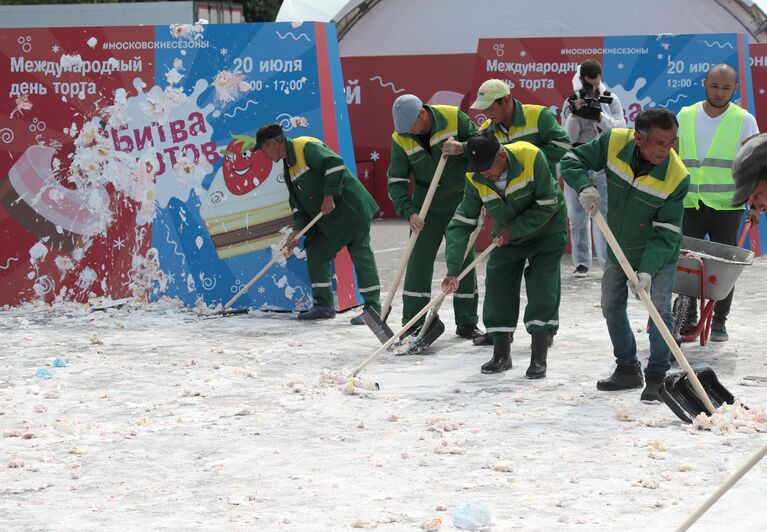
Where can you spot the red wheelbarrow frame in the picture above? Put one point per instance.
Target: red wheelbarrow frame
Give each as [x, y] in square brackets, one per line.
[702, 329]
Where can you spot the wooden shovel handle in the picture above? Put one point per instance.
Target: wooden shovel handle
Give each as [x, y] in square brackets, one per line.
[413, 237]
[271, 263]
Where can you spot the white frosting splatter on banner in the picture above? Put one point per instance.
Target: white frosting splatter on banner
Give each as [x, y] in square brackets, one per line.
[229, 86]
[86, 278]
[187, 31]
[37, 252]
[70, 61]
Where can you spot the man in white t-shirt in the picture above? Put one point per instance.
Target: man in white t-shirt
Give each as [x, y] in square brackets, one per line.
[710, 134]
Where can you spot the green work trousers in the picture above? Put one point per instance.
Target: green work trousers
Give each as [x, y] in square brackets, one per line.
[420, 269]
[505, 268]
[319, 254]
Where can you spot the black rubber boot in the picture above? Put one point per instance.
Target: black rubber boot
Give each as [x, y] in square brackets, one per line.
[623, 378]
[539, 348]
[318, 313]
[482, 339]
[653, 382]
[468, 332]
[501, 360]
[719, 332]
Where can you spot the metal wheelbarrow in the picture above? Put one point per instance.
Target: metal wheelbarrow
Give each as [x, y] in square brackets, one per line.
[706, 271]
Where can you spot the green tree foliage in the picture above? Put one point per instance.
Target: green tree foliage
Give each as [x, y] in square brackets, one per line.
[261, 10]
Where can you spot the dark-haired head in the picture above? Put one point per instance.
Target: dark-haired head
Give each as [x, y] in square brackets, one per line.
[655, 132]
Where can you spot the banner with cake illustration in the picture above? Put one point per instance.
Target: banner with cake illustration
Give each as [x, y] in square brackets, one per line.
[124, 170]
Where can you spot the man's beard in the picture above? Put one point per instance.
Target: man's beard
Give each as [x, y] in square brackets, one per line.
[712, 104]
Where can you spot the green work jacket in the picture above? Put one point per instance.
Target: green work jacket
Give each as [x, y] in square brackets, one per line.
[313, 171]
[644, 211]
[410, 158]
[531, 206]
[534, 124]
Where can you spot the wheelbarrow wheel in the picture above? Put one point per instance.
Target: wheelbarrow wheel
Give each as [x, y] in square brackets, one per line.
[679, 314]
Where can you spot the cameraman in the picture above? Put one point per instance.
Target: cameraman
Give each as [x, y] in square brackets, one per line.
[587, 114]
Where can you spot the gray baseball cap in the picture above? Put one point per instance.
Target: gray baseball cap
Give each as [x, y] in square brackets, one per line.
[749, 167]
[405, 111]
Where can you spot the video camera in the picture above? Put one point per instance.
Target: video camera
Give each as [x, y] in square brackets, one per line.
[592, 107]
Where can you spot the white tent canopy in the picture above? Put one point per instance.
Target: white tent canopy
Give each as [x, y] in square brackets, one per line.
[403, 27]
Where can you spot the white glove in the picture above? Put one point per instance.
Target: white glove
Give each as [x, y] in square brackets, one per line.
[590, 200]
[644, 283]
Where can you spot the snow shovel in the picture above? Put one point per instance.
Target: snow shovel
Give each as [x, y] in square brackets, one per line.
[433, 303]
[669, 395]
[231, 312]
[428, 334]
[678, 394]
[413, 237]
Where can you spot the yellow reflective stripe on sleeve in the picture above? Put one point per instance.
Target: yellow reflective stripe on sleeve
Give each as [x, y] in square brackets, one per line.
[546, 202]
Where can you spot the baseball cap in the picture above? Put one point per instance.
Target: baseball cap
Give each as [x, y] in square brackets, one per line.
[750, 165]
[405, 111]
[267, 132]
[481, 149]
[490, 91]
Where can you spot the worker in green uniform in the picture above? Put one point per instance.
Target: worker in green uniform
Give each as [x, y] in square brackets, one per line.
[514, 184]
[318, 180]
[646, 186]
[510, 120]
[423, 133]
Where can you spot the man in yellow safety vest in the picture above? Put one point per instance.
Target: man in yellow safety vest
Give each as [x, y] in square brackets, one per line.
[710, 134]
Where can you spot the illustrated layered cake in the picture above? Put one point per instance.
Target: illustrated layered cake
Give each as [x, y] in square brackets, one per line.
[247, 203]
